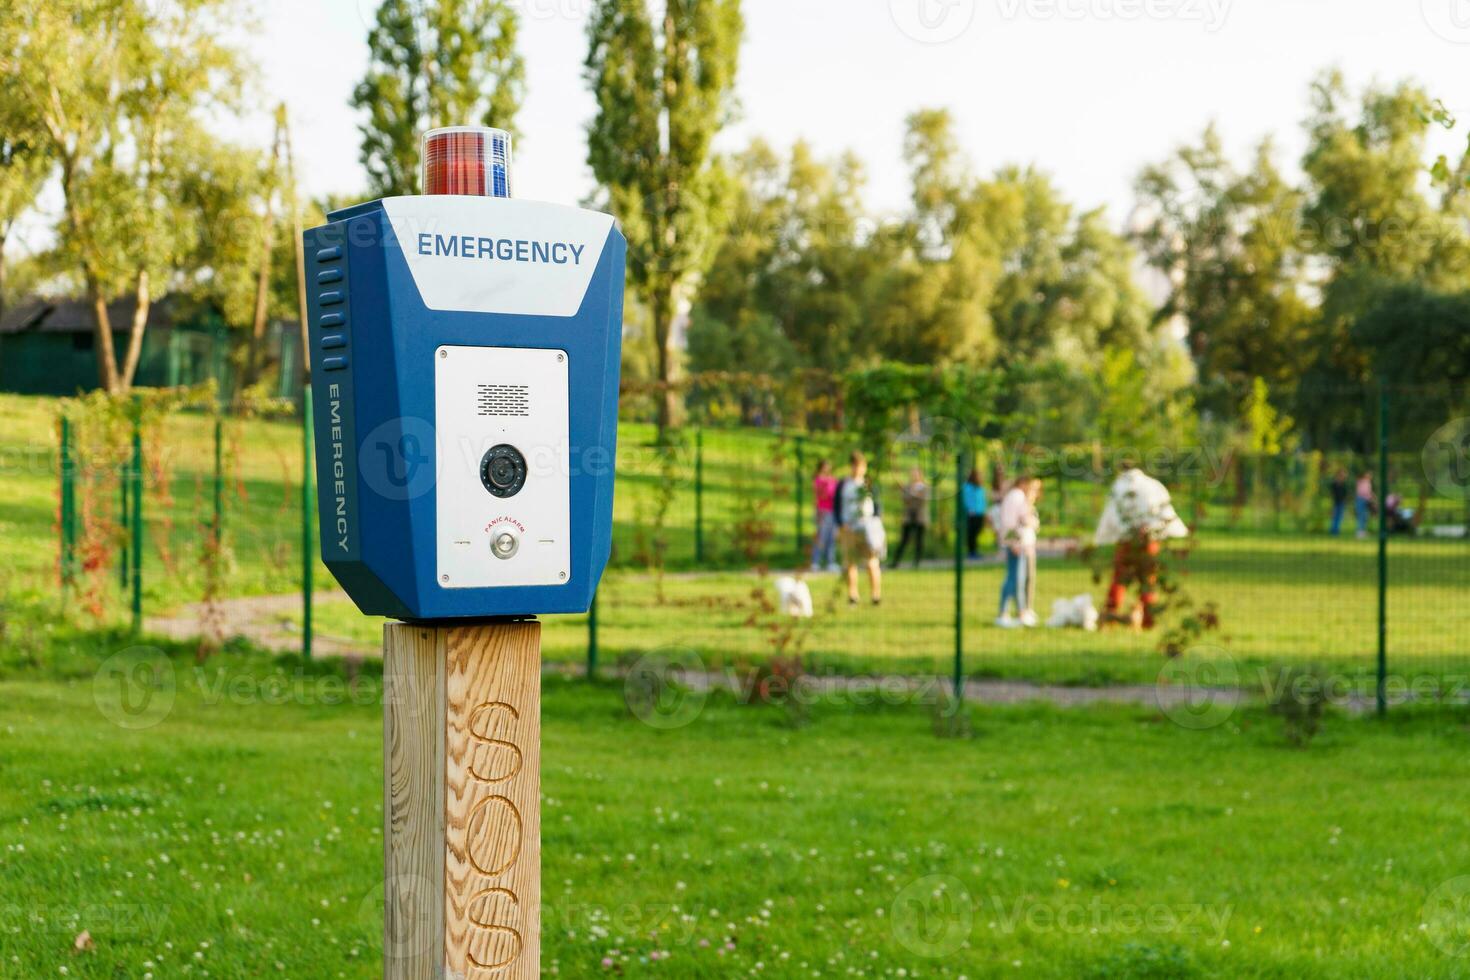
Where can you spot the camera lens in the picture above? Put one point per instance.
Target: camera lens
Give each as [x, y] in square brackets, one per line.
[503, 471]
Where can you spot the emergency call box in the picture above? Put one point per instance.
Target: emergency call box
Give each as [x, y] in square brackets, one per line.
[465, 350]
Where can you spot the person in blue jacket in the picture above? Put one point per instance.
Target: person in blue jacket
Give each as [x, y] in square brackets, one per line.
[976, 502]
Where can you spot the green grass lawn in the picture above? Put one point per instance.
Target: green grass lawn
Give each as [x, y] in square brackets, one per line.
[240, 837]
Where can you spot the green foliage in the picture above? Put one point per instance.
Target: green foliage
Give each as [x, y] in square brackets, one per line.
[1128, 409]
[958, 403]
[997, 270]
[23, 162]
[1267, 430]
[1381, 227]
[1227, 241]
[118, 90]
[662, 94]
[434, 63]
[1421, 342]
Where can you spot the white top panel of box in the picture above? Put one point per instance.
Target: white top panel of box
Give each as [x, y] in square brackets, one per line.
[493, 255]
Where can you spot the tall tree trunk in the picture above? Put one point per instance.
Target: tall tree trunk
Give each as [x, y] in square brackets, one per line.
[262, 294]
[135, 333]
[102, 329]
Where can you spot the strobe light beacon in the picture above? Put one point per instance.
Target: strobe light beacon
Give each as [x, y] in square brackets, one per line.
[465, 354]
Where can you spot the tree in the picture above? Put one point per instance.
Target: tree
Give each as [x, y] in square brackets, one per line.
[662, 94]
[1066, 290]
[24, 164]
[1227, 242]
[1420, 339]
[731, 326]
[434, 63]
[118, 88]
[1379, 225]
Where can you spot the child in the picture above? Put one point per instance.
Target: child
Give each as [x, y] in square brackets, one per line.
[824, 490]
[976, 504]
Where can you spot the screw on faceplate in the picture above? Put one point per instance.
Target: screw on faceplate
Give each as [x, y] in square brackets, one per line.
[562, 574]
[443, 354]
[561, 357]
[444, 578]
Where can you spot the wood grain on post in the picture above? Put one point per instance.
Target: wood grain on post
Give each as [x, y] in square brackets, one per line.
[462, 814]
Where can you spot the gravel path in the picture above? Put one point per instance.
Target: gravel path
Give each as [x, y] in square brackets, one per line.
[267, 622]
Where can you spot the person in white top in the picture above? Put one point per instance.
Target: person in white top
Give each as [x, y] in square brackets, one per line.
[1137, 518]
[1016, 528]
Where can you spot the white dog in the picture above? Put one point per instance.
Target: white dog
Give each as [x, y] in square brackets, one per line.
[1077, 612]
[794, 597]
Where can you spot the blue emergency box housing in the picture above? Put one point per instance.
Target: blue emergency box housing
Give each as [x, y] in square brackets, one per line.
[389, 284]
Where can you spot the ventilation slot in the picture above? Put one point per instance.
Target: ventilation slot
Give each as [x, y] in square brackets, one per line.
[505, 400]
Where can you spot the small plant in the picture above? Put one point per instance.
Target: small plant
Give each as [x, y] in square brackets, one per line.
[948, 716]
[651, 540]
[779, 682]
[1298, 696]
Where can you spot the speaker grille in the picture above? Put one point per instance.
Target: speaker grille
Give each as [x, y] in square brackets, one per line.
[505, 400]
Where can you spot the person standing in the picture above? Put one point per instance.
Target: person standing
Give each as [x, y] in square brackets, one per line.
[1015, 529]
[915, 517]
[1339, 489]
[1363, 502]
[824, 492]
[976, 502]
[857, 511]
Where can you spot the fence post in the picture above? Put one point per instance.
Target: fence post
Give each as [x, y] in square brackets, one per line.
[800, 474]
[308, 498]
[219, 480]
[592, 639]
[959, 580]
[699, 496]
[1382, 685]
[124, 565]
[68, 507]
[135, 477]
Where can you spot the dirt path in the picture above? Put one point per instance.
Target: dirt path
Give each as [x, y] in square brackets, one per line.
[268, 622]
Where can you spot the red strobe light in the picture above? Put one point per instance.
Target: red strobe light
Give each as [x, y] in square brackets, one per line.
[472, 160]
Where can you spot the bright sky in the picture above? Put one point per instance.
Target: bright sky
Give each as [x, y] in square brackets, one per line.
[1090, 90]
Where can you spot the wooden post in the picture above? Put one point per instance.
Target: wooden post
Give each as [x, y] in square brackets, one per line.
[462, 810]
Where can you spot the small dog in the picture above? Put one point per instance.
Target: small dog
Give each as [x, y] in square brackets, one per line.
[794, 597]
[1077, 612]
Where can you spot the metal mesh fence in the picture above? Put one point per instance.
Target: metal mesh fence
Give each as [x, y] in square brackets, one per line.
[713, 545]
[1285, 566]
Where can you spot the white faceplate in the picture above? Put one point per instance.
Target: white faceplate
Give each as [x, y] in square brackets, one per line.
[492, 255]
[485, 397]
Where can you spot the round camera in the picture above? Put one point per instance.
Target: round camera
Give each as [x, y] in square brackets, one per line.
[503, 471]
